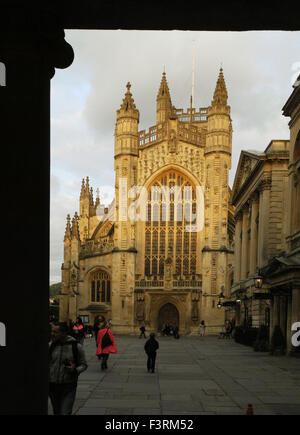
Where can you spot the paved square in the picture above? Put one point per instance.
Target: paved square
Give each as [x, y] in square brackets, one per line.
[193, 376]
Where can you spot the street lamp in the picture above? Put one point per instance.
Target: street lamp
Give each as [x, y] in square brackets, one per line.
[258, 281]
[238, 299]
[219, 305]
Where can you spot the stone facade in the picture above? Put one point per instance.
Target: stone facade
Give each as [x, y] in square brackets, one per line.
[260, 198]
[144, 260]
[266, 196]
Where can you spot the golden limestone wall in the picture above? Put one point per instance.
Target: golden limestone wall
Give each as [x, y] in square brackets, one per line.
[197, 151]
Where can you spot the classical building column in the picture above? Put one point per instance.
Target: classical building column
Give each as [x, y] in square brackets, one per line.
[254, 234]
[245, 238]
[30, 48]
[264, 204]
[274, 320]
[237, 248]
[297, 204]
[283, 314]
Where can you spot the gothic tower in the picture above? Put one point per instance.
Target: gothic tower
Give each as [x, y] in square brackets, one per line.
[217, 164]
[126, 162]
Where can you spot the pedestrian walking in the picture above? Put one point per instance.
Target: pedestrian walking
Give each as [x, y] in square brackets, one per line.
[202, 329]
[228, 329]
[66, 362]
[78, 330]
[98, 323]
[143, 330]
[176, 332]
[151, 346]
[106, 344]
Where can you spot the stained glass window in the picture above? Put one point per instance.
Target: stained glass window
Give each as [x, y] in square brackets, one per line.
[166, 233]
[100, 286]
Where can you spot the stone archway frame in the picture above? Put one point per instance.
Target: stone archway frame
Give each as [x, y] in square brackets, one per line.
[169, 167]
[179, 301]
[94, 268]
[86, 278]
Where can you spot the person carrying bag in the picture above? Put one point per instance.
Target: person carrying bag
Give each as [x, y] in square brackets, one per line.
[106, 344]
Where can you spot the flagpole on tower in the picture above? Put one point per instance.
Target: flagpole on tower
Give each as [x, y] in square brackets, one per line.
[193, 82]
[193, 74]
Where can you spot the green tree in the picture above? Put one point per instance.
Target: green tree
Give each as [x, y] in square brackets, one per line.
[54, 291]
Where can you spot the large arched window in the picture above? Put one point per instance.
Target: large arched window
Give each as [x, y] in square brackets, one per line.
[100, 287]
[171, 207]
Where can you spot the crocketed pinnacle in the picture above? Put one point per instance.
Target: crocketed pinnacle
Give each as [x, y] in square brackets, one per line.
[68, 228]
[220, 94]
[163, 91]
[75, 228]
[128, 109]
[128, 102]
[91, 197]
[97, 198]
[82, 189]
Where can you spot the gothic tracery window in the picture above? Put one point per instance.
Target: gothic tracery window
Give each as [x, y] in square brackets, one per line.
[171, 208]
[100, 287]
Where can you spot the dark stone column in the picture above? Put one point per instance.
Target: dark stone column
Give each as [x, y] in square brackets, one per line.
[31, 47]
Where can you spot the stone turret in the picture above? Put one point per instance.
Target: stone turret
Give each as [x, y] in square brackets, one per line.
[164, 107]
[217, 164]
[219, 132]
[126, 132]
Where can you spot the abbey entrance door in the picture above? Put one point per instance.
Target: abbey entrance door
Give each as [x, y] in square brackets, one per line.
[168, 314]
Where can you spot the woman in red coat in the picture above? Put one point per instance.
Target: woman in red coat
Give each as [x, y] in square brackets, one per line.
[103, 351]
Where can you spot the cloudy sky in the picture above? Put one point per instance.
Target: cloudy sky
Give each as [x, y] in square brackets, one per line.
[259, 69]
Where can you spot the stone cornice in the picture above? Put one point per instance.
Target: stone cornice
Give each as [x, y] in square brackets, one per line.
[221, 249]
[292, 103]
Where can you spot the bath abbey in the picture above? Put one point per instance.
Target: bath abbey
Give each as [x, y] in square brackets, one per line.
[162, 252]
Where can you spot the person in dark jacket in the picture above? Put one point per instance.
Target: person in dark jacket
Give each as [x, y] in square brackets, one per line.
[143, 330]
[151, 347]
[176, 332]
[66, 362]
[78, 330]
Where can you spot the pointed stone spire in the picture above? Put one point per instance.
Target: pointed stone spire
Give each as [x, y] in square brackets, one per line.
[68, 229]
[75, 227]
[163, 91]
[128, 108]
[164, 108]
[91, 197]
[82, 189]
[220, 94]
[97, 198]
[87, 188]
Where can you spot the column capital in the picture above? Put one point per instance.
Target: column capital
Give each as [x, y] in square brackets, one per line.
[265, 183]
[254, 197]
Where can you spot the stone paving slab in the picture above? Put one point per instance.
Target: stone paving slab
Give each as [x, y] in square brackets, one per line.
[192, 377]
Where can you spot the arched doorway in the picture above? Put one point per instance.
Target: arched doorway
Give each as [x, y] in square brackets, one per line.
[168, 314]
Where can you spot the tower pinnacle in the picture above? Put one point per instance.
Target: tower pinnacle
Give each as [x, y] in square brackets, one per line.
[163, 101]
[128, 108]
[220, 94]
[68, 228]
